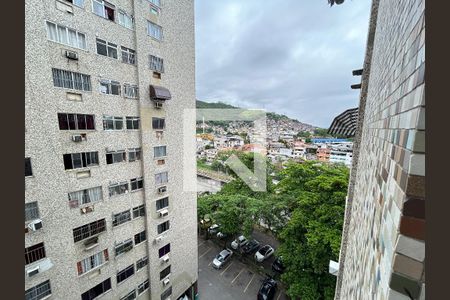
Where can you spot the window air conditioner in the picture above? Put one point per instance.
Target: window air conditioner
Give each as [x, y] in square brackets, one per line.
[166, 281]
[32, 272]
[164, 212]
[158, 104]
[72, 55]
[77, 138]
[35, 225]
[162, 190]
[165, 258]
[158, 239]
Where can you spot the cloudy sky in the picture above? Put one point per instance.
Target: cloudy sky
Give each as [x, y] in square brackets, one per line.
[293, 57]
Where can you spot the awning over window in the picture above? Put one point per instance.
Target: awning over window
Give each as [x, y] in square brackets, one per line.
[345, 123]
[159, 93]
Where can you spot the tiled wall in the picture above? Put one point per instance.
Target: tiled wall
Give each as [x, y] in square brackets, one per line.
[383, 246]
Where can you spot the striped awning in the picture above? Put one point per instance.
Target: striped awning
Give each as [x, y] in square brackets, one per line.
[345, 123]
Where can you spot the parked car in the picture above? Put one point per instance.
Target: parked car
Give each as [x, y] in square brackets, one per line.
[251, 247]
[277, 265]
[267, 290]
[263, 253]
[239, 242]
[215, 230]
[222, 258]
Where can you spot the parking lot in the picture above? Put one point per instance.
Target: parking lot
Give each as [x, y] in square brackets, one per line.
[235, 281]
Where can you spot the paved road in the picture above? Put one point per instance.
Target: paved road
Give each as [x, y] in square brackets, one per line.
[235, 281]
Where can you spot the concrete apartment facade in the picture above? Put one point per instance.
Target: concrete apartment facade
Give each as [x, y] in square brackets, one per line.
[96, 244]
[383, 242]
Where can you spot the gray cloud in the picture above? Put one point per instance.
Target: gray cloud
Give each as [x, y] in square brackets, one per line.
[287, 56]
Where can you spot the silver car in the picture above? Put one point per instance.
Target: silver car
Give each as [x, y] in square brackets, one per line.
[222, 258]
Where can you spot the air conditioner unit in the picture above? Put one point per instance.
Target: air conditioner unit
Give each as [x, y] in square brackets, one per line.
[158, 104]
[164, 212]
[87, 209]
[72, 55]
[35, 225]
[162, 190]
[165, 258]
[32, 272]
[158, 239]
[77, 138]
[166, 281]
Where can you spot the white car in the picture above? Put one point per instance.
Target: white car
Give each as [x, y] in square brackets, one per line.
[239, 242]
[263, 253]
[222, 258]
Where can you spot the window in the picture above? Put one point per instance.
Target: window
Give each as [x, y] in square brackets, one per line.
[130, 296]
[123, 247]
[97, 290]
[158, 123]
[161, 178]
[162, 203]
[155, 31]
[128, 55]
[133, 122]
[69, 37]
[140, 237]
[76, 121]
[71, 80]
[116, 157]
[106, 48]
[134, 154]
[79, 3]
[166, 294]
[139, 211]
[34, 253]
[121, 218]
[103, 9]
[143, 287]
[39, 291]
[31, 211]
[130, 91]
[80, 160]
[163, 227]
[109, 87]
[85, 196]
[28, 169]
[155, 2]
[137, 183]
[159, 151]
[142, 263]
[88, 230]
[125, 273]
[92, 262]
[164, 250]
[118, 188]
[154, 10]
[112, 123]
[164, 273]
[156, 64]
[125, 20]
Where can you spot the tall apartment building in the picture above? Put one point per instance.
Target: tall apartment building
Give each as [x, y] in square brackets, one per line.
[383, 242]
[105, 211]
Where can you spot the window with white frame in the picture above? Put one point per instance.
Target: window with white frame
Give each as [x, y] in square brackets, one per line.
[112, 123]
[123, 247]
[164, 250]
[40, 291]
[121, 218]
[31, 211]
[80, 160]
[113, 157]
[161, 178]
[143, 287]
[139, 211]
[124, 19]
[109, 87]
[134, 154]
[85, 196]
[103, 9]
[162, 203]
[118, 188]
[141, 263]
[140, 237]
[92, 262]
[133, 123]
[137, 183]
[76, 121]
[125, 273]
[130, 91]
[130, 296]
[163, 227]
[71, 80]
[155, 31]
[66, 36]
[128, 55]
[79, 3]
[159, 151]
[106, 48]
[156, 64]
[164, 273]
[158, 123]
